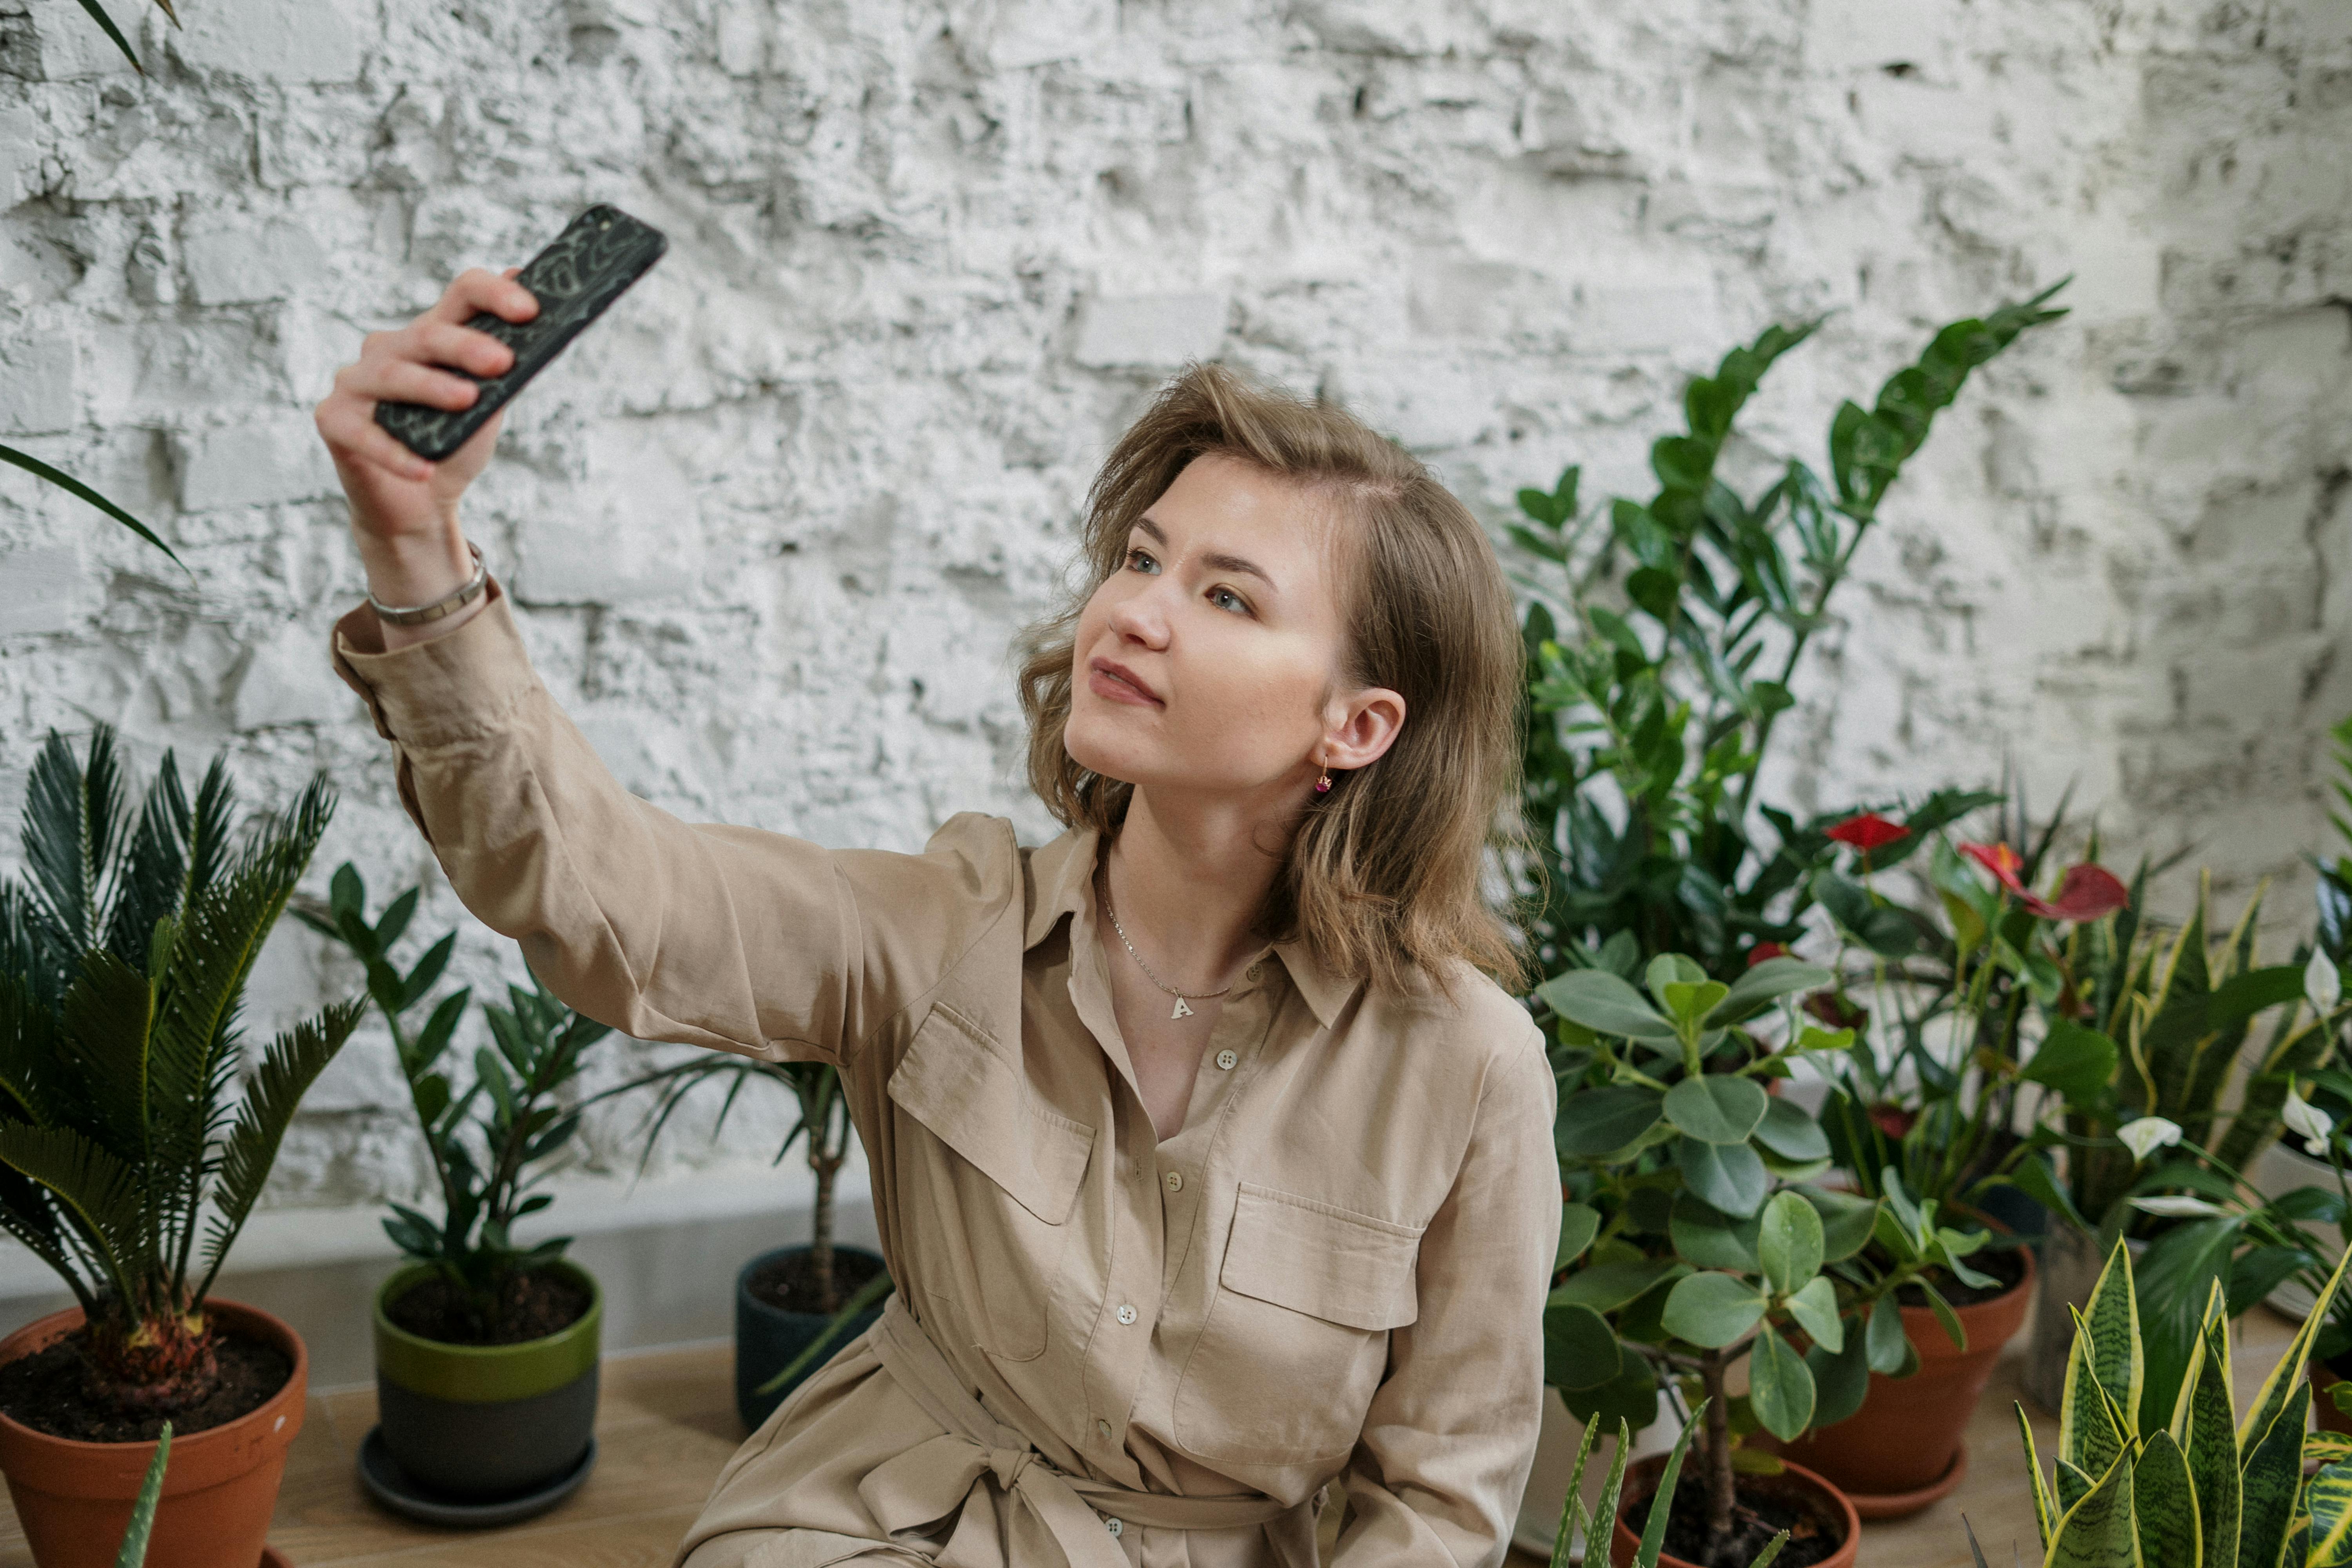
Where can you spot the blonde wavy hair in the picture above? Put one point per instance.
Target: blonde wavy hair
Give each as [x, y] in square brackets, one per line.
[1383, 879]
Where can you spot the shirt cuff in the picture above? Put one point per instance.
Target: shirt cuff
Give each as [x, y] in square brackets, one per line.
[462, 683]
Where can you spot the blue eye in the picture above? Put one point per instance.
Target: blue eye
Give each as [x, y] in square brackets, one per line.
[1228, 594]
[1133, 555]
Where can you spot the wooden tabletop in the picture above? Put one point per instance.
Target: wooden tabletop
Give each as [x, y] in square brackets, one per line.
[668, 1423]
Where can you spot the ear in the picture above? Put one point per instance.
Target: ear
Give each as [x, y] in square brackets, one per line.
[1359, 726]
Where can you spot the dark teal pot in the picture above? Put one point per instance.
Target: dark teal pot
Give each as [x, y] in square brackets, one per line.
[766, 1338]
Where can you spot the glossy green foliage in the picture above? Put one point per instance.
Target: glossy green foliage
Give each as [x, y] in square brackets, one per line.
[496, 1139]
[131, 1149]
[2194, 1490]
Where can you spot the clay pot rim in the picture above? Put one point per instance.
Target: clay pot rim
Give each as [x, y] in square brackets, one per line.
[785, 1314]
[279, 1415]
[1650, 1467]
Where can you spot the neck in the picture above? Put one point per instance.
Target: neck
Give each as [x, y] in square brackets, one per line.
[1186, 884]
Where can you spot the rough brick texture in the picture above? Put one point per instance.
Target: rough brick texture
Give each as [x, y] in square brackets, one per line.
[770, 525]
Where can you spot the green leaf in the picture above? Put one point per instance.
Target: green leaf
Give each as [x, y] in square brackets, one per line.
[1593, 1122]
[2205, 1426]
[2271, 1480]
[1689, 1001]
[427, 972]
[1847, 1220]
[1789, 1245]
[1717, 1108]
[1949, 1320]
[1705, 1238]
[2106, 1363]
[1781, 1387]
[1841, 1378]
[1814, 1305]
[1653, 1534]
[2164, 1504]
[1578, 1222]
[132, 1553]
[1605, 1004]
[2096, 1530]
[1713, 1309]
[1605, 1287]
[1579, 1348]
[1729, 1177]
[2329, 1498]
[1787, 1132]
[1889, 1346]
[1632, 1398]
[65, 481]
[2077, 1062]
[2045, 1512]
[1768, 981]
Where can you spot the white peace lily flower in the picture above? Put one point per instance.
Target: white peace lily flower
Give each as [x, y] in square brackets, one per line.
[2321, 982]
[2308, 1120]
[2174, 1207]
[2146, 1135]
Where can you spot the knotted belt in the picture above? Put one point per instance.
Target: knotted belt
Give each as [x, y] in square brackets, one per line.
[1033, 1516]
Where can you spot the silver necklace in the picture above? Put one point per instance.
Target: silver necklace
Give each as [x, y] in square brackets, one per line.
[1181, 1011]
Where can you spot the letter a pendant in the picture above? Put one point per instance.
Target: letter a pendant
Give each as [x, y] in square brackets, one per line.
[1181, 1011]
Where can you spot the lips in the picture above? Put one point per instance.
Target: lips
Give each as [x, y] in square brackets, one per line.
[1115, 679]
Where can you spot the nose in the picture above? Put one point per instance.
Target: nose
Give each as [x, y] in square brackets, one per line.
[1140, 616]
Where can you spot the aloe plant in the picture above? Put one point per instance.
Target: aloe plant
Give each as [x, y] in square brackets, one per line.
[132, 1553]
[2194, 1486]
[1600, 1523]
[126, 955]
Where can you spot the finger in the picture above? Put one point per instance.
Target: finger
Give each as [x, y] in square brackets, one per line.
[478, 288]
[356, 437]
[406, 381]
[446, 342]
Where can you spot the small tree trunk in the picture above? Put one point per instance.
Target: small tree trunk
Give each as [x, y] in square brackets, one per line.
[1721, 1495]
[820, 1240]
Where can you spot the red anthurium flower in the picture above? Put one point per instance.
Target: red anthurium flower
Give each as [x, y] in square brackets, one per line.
[2001, 861]
[2085, 893]
[1764, 950]
[1868, 832]
[1893, 1119]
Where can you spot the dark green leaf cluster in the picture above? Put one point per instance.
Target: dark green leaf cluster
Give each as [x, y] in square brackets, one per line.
[496, 1141]
[128, 947]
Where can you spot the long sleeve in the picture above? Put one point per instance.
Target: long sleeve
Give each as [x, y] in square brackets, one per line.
[1449, 1439]
[706, 934]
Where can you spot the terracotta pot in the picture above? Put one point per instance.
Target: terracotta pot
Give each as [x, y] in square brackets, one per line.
[219, 1485]
[1903, 1450]
[1828, 1507]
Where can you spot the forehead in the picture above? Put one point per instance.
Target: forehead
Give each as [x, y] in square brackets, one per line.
[1224, 503]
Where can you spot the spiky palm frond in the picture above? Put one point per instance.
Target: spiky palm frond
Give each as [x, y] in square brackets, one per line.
[295, 1061]
[108, 1021]
[73, 817]
[149, 885]
[97, 1194]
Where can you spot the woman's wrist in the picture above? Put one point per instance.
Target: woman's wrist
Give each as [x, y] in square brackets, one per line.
[419, 569]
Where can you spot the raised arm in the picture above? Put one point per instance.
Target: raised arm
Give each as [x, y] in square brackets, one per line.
[727, 937]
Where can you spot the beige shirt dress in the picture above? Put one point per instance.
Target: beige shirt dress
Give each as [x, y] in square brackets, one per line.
[1103, 1348]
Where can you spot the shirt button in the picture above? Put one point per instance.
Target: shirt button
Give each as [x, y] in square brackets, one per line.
[1226, 1060]
[1103, 1427]
[1116, 1526]
[1175, 1180]
[1251, 973]
[1126, 1314]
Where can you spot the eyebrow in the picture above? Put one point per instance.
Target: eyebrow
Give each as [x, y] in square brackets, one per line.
[1215, 560]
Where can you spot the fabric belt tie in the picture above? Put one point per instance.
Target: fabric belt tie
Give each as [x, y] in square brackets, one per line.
[1033, 1514]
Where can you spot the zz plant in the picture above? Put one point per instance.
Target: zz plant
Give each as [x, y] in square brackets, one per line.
[125, 1131]
[1682, 1260]
[2191, 1485]
[491, 1143]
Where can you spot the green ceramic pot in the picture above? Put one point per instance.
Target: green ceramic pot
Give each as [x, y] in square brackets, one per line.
[488, 1421]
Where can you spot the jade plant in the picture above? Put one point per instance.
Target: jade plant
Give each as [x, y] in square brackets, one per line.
[492, 1143]
[2137, 1479]
[1682, 1260]
[132, 1148]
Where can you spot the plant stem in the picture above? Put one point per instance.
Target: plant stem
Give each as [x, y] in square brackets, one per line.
[826, 1168]
[1714, 1371]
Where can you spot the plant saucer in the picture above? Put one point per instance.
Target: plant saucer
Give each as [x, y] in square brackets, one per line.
[396, 1489]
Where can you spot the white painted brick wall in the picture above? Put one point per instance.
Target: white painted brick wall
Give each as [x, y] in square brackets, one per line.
[770, 525]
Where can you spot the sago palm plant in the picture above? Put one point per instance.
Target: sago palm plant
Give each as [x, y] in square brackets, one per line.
[129, 1158]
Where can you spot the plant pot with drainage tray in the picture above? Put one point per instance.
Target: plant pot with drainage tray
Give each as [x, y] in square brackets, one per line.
[131, 1154]
[480, 1434]
[486, 1348]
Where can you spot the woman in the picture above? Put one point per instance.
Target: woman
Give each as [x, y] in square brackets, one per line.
[1208, 1164]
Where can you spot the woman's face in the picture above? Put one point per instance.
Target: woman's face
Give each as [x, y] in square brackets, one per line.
[1210, 660]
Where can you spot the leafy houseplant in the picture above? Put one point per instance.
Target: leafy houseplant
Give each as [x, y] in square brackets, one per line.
[126, 951]
[1681, 1257]
[2140, 1479]
[486, 1349]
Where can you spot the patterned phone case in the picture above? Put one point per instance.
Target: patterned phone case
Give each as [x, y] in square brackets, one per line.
[589, 265]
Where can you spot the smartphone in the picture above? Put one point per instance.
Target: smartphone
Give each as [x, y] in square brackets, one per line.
[598, 255]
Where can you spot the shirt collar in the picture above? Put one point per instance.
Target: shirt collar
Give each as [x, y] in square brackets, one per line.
[1061, 875]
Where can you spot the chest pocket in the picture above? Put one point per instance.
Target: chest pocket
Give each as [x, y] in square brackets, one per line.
[988, 1197]
[1296, 1339]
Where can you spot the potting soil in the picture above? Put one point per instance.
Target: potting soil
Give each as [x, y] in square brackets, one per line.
[789, 1284]
[537, 1304]
[52, 1391]
[1756, 1519]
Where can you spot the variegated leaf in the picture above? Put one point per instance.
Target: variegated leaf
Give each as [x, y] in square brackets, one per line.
[2164, 1506]
[2097, 1532]
[2272, 1478]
